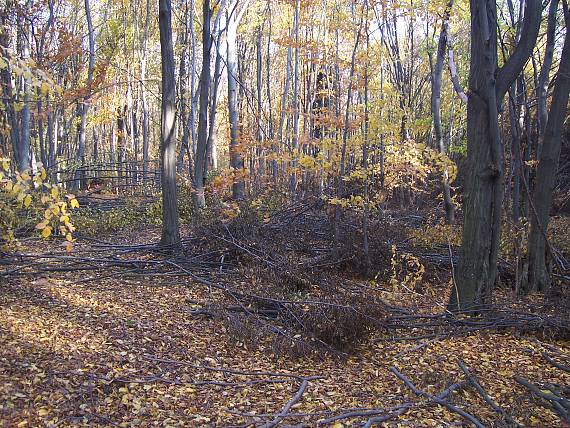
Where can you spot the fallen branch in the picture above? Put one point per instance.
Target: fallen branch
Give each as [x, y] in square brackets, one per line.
[283, 413]
[437, 400]
[555, 364]
[475, 383]
[549, 399]
[386, 414]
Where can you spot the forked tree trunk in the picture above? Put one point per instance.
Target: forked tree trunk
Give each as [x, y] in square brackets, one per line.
[170, 232]
[488, 84]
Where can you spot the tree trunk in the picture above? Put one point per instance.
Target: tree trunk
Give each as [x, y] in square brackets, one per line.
[544, 77]
[295, 139]
[200, 158]
[538, 272]
[236, 160]
[24, 138]
[145, 113]
[484, 180]
[170, 232]
[80, 182]
[211, 149]
[436, 113]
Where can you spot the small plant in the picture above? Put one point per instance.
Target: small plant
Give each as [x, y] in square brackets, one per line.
[28, 201]
[407, 271]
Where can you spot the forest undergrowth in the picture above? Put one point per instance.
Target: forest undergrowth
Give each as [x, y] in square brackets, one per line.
[272, 321]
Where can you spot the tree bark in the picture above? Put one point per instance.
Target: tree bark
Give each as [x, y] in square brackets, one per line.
[200, 158]
[170, 231]
[488, 84]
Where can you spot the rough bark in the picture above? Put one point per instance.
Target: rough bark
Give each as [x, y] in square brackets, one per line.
[488, 84]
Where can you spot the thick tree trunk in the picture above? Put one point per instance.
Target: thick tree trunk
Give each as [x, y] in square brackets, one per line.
[170, 231]
[484, 181]
[538, 272]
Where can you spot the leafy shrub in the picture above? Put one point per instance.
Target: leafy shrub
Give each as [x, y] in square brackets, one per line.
[28, 202]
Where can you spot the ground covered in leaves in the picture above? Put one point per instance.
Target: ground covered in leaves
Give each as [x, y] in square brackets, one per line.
[104, 348]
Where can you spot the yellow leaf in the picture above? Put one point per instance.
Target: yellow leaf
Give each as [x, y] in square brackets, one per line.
[27, 200]
[54, 192]
[43, 411]
[69, 246]
[45, 88]
[74, 203]
[69, 237]
[46, 232]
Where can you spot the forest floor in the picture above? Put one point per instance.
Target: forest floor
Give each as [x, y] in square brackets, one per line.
[111, 348]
